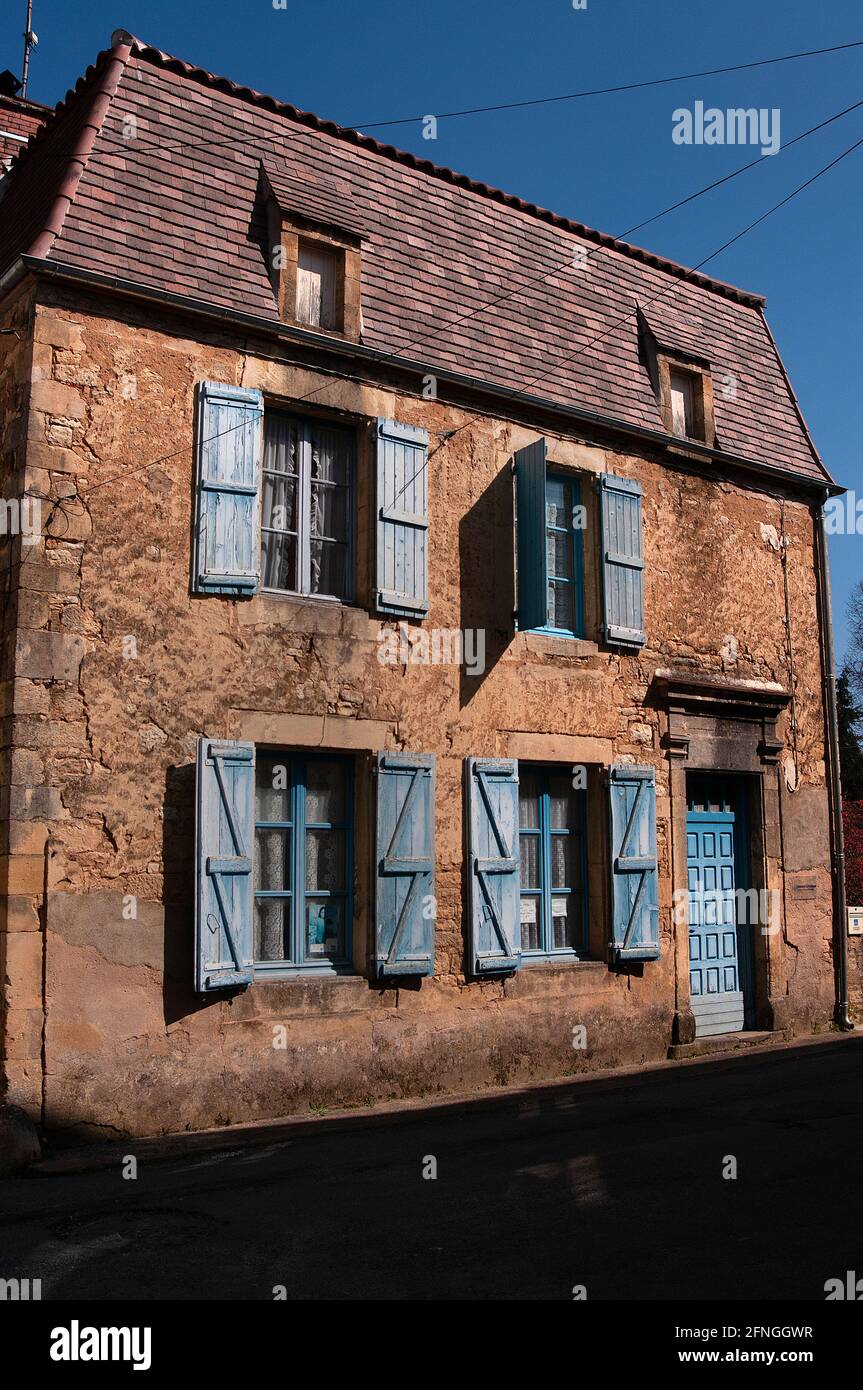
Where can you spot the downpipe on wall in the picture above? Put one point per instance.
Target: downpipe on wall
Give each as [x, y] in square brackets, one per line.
[842, 1016]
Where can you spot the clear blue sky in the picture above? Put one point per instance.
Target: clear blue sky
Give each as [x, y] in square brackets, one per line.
[607, 161]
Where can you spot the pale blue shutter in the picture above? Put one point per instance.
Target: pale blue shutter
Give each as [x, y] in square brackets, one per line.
[227, 530]
[530, 474]
[224, 835]
[493, 864]
[634, 872]
[622, 561]
[402, 526]
[404, 894]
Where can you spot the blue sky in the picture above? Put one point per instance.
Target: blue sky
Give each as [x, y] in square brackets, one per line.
[608, 161]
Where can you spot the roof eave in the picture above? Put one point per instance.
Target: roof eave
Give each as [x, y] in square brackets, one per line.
[658, 439]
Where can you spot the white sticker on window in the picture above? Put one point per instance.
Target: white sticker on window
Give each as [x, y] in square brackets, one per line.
[558, 907]
[528, 910]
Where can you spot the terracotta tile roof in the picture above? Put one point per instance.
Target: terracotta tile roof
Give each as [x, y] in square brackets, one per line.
[455, 274]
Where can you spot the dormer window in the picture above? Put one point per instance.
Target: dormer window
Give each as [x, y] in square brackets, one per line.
[313, 249]
[680, 375]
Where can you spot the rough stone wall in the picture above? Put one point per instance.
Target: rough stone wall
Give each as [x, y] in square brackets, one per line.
[104, 742]
[21, 850]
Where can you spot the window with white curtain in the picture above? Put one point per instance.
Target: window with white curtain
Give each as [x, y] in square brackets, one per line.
[306, 508]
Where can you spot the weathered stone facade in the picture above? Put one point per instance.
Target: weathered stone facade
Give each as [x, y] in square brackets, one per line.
[102, 1031]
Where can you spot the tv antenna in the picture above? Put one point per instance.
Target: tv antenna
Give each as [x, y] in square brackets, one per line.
[30, 42]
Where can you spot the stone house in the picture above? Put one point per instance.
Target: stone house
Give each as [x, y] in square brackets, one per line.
[418, 676]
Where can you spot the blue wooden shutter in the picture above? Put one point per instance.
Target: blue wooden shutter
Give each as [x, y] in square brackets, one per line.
[493, 864]
[634, 874]
[530, 474]
[227, 531]
[224, 833]
[403, 523]
[622, 561]
[404, 896]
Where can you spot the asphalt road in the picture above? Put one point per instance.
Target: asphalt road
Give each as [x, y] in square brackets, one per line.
[612, 1183]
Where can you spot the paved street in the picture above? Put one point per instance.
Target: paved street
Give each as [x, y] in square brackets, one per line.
[612, 1183]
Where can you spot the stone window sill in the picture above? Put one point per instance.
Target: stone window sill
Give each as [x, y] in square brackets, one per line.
[547, 644]
[307, 613]
[551, 964]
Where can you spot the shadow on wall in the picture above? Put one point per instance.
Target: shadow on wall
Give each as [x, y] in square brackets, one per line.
[487, 581]
[178, 858]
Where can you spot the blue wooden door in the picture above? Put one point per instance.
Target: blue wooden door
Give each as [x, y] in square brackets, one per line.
[719, 975]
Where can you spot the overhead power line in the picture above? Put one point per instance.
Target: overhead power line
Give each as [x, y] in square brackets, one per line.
[608, 91]
[676, 285]
[558, 268]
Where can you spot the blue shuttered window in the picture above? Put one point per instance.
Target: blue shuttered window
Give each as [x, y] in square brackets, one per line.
[493, 867]
[224, 829]
[563, 540]
[552, 816]
[530, 471]
[402, 520]
[404, 887]
[228, 449]
[623, 561]
[549, 545]
[303, 874]
[634, 871]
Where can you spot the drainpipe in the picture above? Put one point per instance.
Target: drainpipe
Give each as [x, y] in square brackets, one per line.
[840, 913]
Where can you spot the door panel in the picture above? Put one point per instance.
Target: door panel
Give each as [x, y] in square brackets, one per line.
[716, 989]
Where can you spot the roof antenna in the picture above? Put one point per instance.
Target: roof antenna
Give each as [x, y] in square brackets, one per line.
[30, 42]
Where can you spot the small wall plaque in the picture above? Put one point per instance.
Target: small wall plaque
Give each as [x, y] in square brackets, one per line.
[807, 889]
[855, 921]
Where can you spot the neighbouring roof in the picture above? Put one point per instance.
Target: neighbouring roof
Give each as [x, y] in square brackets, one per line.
[455, 274]
[19, 119]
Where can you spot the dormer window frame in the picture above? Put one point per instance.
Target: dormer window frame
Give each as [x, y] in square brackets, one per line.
[288, 232]
[697, 376]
